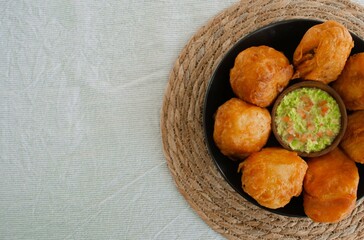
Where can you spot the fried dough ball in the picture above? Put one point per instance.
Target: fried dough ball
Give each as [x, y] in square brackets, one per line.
[241, 128]
[260, 74]
[350, 84]
[322, 52]
[330, 187]
[353, 141]
[273, 176]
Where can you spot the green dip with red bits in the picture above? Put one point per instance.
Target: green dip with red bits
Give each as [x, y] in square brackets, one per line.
[308, 119]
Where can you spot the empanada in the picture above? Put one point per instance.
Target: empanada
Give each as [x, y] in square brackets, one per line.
[350, 84]
[260, 74]
[241, 128]
[273, 176]
[322, 52]
[330, 187]
[353, 141]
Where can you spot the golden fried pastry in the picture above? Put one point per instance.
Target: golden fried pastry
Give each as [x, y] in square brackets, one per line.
[322, 52]
[259, 74]
[353, 141]
[350, 84]
[241, 128]
[330, 187]
[273, 176]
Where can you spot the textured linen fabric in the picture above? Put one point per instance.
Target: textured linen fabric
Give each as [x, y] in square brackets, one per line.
[81, 88]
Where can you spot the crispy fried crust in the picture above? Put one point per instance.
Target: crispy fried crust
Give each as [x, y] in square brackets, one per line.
[350, 84]
[330, 187]
[259, 74]
[273, 176]
[322, 52]
[353, 140]
[241, 128]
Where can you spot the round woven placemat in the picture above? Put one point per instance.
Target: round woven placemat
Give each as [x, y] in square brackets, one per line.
[193, 170]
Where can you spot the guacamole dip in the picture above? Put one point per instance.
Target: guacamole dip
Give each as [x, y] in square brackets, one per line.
[308, 119]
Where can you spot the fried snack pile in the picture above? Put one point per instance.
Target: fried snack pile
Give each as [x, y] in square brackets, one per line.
[350, 84]
[353, 140]
[241, 128]
[273, 176]
[330, 187]
[260, 74]
[322, 52]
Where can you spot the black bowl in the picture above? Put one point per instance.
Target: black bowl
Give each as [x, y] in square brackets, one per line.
[283, 36]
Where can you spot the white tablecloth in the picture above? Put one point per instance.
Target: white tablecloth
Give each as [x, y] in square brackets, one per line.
[81, 88]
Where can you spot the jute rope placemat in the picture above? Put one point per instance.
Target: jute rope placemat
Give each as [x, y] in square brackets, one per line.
[193, 170]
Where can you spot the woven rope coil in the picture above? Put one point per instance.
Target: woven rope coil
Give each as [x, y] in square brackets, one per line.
[193, 170]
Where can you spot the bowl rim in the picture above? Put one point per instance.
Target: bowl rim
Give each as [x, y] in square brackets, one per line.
[332, 93]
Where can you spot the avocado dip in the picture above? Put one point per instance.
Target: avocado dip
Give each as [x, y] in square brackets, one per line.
[308, 119]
